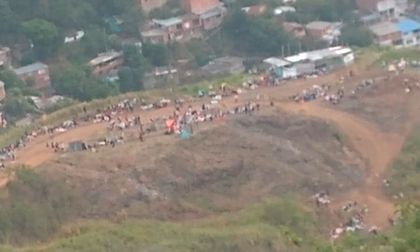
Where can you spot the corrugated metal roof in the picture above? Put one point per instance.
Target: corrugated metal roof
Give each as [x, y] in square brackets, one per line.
[277, 62]
[103, 57]
[211, 13]
[30, 68]
[168, 22]
[319, 25]
[297, 58]
[408, 25]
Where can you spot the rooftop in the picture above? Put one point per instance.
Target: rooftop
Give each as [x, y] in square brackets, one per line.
[30, 68]
[202, 6]
[319, 54]
[168, 22]
[319, 25]
[408, 25]
[211, 13]
[255, 10]
[277, 62]
[383, 28]
[153, 33]
[283, 9]
[103, 57]
[290, 26]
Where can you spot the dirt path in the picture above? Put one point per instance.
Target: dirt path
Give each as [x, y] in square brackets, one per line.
[377, 148]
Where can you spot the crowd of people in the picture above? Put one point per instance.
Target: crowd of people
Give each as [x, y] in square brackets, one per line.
[319, 92]
[120, 117]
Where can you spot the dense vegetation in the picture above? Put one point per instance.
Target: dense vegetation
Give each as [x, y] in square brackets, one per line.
[36, 29]
[35, 208]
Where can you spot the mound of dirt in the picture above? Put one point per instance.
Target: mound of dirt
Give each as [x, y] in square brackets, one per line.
[222, 168]
[385, 102]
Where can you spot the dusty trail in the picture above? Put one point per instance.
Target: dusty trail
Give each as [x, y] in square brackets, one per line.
[378, 149]
[374, 146]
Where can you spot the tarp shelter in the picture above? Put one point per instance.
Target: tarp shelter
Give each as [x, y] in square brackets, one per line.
[77, 146]
[185, 134]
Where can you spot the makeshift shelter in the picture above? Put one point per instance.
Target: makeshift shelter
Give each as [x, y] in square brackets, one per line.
[185, 134]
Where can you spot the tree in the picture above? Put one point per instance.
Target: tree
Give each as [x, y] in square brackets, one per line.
[16, 105]
[44, 35]
[8, 22]
[126, 80]
[254, 35]
[77, 82]
[158, 55]
[12, 81]
[356, 36]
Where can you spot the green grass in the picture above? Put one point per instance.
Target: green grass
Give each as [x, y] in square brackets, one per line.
[405, 171]
[391, 54]
[274, 225]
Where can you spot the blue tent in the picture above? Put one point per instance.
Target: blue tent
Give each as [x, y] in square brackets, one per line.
[185, 134]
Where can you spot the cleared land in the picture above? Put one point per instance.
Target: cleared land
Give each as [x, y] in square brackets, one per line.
[287, 149]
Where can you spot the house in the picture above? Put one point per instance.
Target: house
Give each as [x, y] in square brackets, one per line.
[410, 32]
[283, 9]
[224, 65]
[309, 62]
[212, 18]
[210, 12]
[182, 28]
[255, 10]
[106, 63]
[73, 37]
[387, 9]
[5, 57]
[296, 29]
[2, 91]
[149, 5]
[280, 68]
[36, 74]
[386, 34]
[199, 6]
[156, 36]
[173, 29]
[324, 30]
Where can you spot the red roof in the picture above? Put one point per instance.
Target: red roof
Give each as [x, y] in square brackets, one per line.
[255, 10]
[367, 5]
[200, 6]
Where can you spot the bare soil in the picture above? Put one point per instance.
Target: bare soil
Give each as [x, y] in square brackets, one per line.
[223, 168]
[304, 148]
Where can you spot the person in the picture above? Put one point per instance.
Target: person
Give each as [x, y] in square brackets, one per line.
[141, 132]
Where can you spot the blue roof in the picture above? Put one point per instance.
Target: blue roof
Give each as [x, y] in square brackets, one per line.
[408, 25]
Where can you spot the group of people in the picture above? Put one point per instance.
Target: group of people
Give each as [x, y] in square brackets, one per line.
[356, 215]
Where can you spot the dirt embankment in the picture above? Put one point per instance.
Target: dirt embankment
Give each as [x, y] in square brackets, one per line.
[220, 169]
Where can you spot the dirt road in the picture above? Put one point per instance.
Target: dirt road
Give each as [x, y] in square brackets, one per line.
[377, 148]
